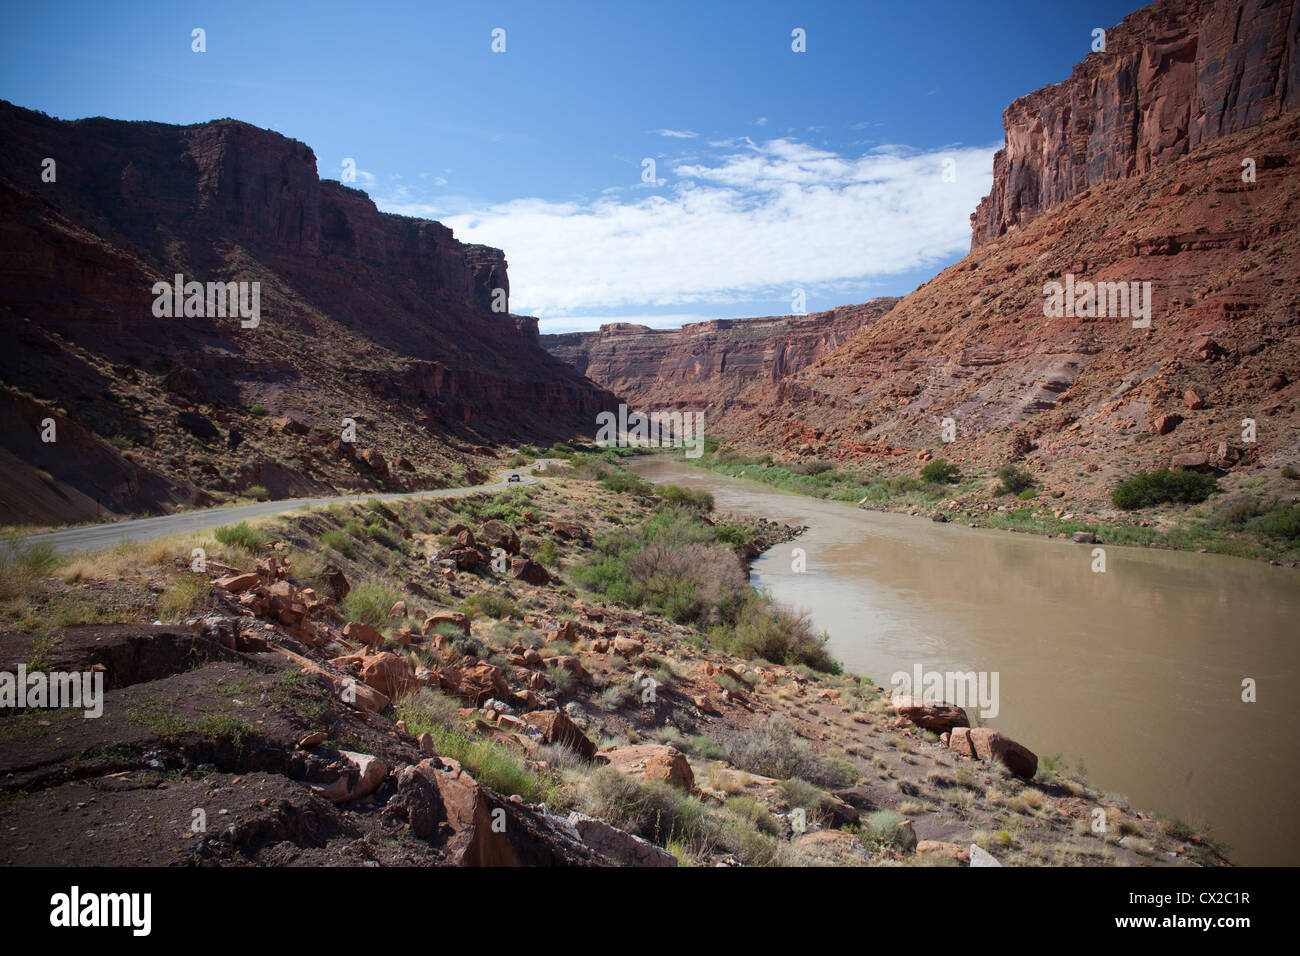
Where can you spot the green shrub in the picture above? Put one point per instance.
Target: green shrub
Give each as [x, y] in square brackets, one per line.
[22, 565]
[547, 553]
[1289, 472]
[626, 483]
[811, 467]
[377, 532]
[490, 763]
[258, 410]
[782, 636]
[239, 536]
[1014, 481]
[1234, 512]
[369, 602]
[775, 750]
[886, 826]
[1158, 487]
[339, 541]
[691, 499]
[1028, 494]
[940, 472]
[1281, 522]
[485, 604]
[257, 492]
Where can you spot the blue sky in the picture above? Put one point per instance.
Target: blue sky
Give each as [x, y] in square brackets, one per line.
[774, 170]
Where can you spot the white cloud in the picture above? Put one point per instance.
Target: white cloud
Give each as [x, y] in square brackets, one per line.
[749, 224]
[675, 133]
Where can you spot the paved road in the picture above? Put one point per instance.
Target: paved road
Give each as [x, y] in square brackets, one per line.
[99, 537]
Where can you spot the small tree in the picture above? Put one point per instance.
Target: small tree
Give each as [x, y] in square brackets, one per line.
[941, 472]
[1014, 481]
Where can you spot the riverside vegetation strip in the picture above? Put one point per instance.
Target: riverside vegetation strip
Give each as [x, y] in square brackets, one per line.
[624, 624]
[1245, 516]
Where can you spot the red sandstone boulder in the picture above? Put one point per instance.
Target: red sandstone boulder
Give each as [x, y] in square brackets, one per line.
[982, 743]
[495, 534]
[530, 572]
[936, 715]
[389, 674]
[651, 762]
[557, 728]
[451, 618]
[357, 631]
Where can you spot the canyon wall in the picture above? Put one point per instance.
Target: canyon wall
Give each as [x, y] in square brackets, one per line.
[1174, 76]
[1129, 173]
[719, 366]
[382, 319]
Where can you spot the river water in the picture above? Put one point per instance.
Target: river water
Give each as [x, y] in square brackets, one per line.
[1136, 671]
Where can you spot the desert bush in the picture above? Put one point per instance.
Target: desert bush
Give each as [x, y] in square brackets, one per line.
[775, 750]
[886, 826]
[1281, 522]
[22, 565]
[1014, 480]
[691, 499]
[181, 596]
[1158, 487]
[369, 602]
[781, 635]
[940, 472]
[485, 604]
[626, 483]
[239, 536]
[257, 492]
[338, 541]
[810, 467]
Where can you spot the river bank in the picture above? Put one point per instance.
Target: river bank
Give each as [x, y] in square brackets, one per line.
[263, 685]
[1253, 517]
[1135, 672]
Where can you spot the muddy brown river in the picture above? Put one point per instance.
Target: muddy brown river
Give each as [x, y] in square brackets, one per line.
[1135, 672]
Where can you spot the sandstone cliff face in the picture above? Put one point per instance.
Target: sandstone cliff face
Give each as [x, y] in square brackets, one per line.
[1129, 172]
[719, 366]
[383, 319]
[1076, 400]
[1174, 77]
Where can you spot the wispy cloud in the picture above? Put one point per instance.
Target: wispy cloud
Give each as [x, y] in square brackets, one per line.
[675, 133]
[753, 221]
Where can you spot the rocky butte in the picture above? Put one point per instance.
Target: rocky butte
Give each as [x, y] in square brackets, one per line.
[381, 319]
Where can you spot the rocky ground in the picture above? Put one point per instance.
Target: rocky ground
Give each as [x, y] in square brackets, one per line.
[424, 683]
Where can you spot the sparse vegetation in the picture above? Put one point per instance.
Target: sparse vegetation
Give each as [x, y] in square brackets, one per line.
[1149, 488]
[239, 536]
[940, 472]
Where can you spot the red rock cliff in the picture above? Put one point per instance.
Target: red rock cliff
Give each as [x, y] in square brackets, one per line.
[384, 319]
[1174, 76]
[718, 365]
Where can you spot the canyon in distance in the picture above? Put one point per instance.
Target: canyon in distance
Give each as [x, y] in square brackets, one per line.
[359, 578]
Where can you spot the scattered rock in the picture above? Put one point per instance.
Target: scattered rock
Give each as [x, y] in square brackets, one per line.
[936, 715]
[557, 728]
[651, 762]
[982, 743]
